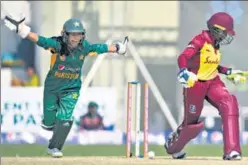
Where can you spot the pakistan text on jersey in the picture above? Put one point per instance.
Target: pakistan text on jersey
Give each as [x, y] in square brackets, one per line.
[64, 75]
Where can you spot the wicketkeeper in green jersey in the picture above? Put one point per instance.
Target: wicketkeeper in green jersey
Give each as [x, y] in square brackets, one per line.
[63, 80]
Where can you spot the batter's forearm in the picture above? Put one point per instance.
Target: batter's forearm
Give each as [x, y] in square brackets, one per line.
[224, 70]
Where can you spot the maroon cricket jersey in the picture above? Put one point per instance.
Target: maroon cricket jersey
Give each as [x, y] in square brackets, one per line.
[202, 57]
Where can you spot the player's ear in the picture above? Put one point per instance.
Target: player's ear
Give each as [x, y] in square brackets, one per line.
[62, 32]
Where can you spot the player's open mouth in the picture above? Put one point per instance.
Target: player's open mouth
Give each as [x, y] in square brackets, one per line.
[74, 43]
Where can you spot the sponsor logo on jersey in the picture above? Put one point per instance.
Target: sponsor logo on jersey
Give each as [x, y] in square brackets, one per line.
[81, 57]
[211, 61]
[61, 67]
[73, 69]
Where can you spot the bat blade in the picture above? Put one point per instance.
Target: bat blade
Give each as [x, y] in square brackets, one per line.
[245, 73]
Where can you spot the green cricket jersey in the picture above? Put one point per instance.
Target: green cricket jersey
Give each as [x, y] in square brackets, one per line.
[65, 67]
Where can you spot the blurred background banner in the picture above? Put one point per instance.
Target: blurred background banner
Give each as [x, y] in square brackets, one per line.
[21, 108]
[158, 37]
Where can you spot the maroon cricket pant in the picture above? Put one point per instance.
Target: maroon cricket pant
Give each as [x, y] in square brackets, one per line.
[215, 92]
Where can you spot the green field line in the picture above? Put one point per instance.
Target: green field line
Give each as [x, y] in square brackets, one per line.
[106, 150]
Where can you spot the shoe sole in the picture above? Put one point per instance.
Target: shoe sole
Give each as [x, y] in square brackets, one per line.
[60, 156]
[179, 157]
[234, 158]
[54, 156]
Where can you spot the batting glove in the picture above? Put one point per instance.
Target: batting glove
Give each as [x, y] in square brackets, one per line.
[17, 25]
[236, 78]
[186, 78]
[233, 71]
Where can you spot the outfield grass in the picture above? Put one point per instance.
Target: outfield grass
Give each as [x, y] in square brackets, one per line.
[7, 150]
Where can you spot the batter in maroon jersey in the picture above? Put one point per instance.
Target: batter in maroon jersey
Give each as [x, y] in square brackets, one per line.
[199, 65]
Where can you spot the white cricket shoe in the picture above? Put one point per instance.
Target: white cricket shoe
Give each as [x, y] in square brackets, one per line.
[179, 155]
[234, 155]
[172, 137]
[56, 153]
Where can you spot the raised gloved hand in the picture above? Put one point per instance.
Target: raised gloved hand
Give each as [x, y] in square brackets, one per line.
[17, 25]
[122, 47]
[234, 71]
[237, 76]
[187, 78]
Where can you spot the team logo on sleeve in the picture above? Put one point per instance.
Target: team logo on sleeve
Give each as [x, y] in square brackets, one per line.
[191, 46]
[81, 57]
[75, 96]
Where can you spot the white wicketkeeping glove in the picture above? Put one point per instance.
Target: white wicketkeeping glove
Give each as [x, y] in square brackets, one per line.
[122, 47]
[18, 26]
[187, 78]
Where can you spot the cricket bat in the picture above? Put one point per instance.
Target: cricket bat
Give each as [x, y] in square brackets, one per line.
[233, 76]
[245, 73]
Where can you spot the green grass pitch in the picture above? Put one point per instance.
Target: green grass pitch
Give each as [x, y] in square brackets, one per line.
[26, 150]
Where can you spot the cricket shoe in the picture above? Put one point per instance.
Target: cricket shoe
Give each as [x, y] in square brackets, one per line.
[179, 155]
[172, 137]
[56, 153]
[234, 155]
